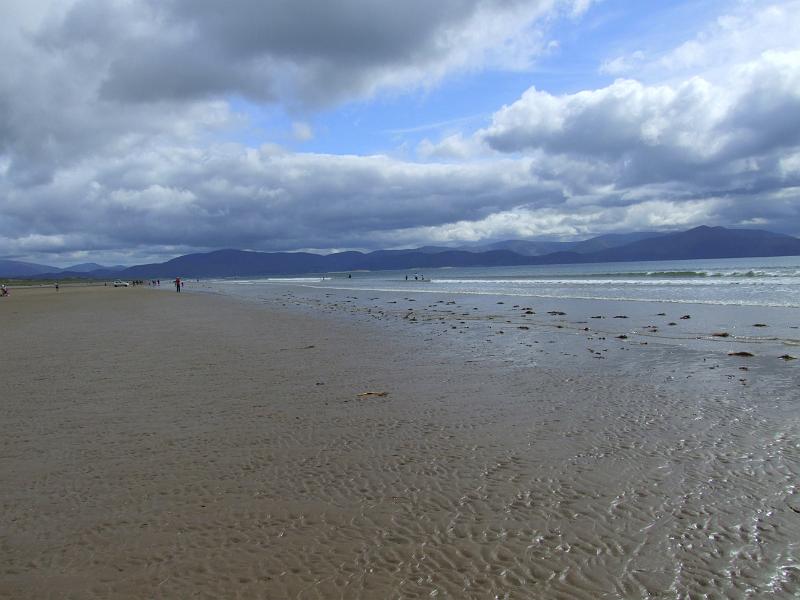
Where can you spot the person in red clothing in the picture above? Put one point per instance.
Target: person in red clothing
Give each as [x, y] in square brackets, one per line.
[178, 284]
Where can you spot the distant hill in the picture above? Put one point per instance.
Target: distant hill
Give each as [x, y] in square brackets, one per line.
[15, 268]
[541, 248]
[89, 267]
[611, 240]
[240, 263]
[698, 243]
[525, 247]
[703, 242]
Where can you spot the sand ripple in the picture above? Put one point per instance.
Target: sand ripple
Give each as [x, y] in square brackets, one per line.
[264, 475]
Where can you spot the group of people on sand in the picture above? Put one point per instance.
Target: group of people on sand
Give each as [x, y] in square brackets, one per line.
[417, 277]
[4, 290]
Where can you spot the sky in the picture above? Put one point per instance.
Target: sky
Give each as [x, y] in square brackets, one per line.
[134, 131]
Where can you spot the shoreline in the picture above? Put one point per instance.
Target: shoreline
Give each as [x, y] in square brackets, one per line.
[663, 338]
[169, 445]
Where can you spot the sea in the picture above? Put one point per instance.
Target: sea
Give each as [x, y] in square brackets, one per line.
[767, 282]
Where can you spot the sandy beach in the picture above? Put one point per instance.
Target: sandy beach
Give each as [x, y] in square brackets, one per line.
[162, 445]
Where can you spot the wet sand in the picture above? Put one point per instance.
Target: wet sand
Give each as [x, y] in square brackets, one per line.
[162, 445]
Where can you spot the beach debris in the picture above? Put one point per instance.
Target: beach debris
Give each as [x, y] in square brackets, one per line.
[372, 394]
[686, 317]
[599, 317]
[501, 302]
[661, 315]
[523, 327]
[760, 325]
[721, 334]
[741, 353]
[556, 313]
[787, 357]
[744, 368]
[529, 312]
[621, 316]
[672, 323]
[622, 337]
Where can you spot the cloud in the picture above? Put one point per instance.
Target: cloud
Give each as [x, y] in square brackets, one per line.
[234, 196]
[114, 116]
[730, 136]
[302, 132]
[83, 77]
[593, 219]
[746, 30]
[622, 64]
[452, 147]
[305, 52]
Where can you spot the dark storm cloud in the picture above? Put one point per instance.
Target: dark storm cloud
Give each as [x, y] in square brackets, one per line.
[302, 51]
[89, 76]
[267, 200]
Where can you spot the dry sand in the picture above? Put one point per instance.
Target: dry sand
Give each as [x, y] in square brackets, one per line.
[157, 445]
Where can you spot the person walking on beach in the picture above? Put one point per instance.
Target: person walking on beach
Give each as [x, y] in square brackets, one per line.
[178, 284]
[56, 286]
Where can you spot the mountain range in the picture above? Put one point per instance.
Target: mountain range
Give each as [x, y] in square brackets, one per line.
[16, 268]
[699, 243]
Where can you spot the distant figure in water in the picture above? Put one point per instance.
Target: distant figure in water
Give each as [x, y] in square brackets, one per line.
[406, 277]
[178, 284]
[349, 276]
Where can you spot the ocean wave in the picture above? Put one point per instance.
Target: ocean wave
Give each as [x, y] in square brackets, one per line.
[269, 280]
[365, 287]
[627, 275]
[621, 282]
